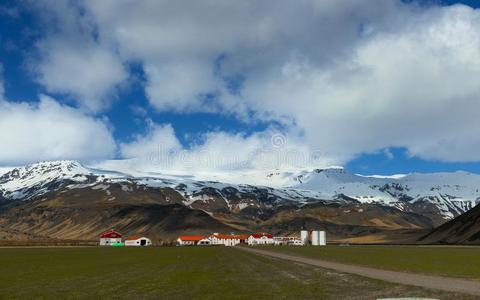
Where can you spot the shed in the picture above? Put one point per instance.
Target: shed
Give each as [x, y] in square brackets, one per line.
[189, 240]
[138, 241]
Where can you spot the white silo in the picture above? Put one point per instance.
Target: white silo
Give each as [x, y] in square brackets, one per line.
[304, 237]
[315, 238]
[322, 238]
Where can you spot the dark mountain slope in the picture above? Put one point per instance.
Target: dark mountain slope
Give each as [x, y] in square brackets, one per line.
[464, 229]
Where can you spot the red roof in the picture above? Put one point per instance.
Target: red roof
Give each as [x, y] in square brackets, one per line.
[191, 238]
[112, 234]
[260, 235]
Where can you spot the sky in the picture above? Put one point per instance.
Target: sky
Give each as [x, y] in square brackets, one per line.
[378, 86]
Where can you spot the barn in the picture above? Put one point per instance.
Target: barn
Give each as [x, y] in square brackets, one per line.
[110, 237]
[138, 241]
[260, 239]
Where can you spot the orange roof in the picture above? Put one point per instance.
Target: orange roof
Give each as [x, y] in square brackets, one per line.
[133, 238]
[191, 238]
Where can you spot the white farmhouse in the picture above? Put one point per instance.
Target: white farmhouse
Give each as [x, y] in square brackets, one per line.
[260, 239]
[286, 240]
[138, 241]
[226, 240]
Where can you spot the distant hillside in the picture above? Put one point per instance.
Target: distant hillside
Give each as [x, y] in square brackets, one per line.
[464, 229]
[66, 200]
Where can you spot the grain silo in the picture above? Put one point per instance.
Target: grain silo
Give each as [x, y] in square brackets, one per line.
[322, 238]
[304, 237]
[315, 238]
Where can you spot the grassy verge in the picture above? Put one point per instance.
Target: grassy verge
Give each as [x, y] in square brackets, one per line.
[178, 273]
[461, 262]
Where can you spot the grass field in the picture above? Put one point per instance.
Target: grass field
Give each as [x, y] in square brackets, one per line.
[461, 262]
[178, 273]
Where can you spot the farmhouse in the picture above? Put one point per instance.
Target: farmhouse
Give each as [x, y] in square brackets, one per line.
[286, 240]
[192, 240]
[110, 237]
[318, 238]
[138, 241]
[225, 239]
[260, 239]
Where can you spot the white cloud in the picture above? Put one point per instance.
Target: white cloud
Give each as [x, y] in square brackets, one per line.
[180, 86]
[89, 74]
[2, 90]
[415, 88]
[157, 139]
[49, 131]
[351, 76]
[159, 149]
[71, 60]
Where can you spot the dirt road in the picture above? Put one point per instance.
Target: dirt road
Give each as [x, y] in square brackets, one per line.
[433, 282]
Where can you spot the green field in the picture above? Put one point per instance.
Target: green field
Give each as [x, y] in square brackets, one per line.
[178, 273]
[461, 262]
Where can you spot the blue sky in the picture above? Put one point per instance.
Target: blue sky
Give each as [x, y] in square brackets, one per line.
[202, 93]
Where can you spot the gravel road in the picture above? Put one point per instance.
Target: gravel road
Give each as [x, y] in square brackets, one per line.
[465, 286]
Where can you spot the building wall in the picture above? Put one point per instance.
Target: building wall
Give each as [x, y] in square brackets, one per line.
[226, 242]
[137, 243]
[109, 241]
[204, 242]
[186, 243]
[260, 241]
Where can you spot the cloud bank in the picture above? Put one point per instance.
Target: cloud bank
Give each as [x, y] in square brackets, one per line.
[159, 148]
[343, 77]
[50, 131]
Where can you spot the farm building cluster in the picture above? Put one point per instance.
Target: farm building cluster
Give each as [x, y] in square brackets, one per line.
[314, 238]
[115, 239]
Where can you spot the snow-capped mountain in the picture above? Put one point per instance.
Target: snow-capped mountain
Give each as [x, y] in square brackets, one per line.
[445, 194]
[451, 193]
[37, 179]
[25, 183]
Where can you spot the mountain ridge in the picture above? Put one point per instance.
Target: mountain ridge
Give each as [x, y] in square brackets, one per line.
[452, 193]
[348, 204]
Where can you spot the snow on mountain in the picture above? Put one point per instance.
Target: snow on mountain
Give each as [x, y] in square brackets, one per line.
[4, 170]
[140, 168]
[37, 178]
[34, 180]
[450, 193]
